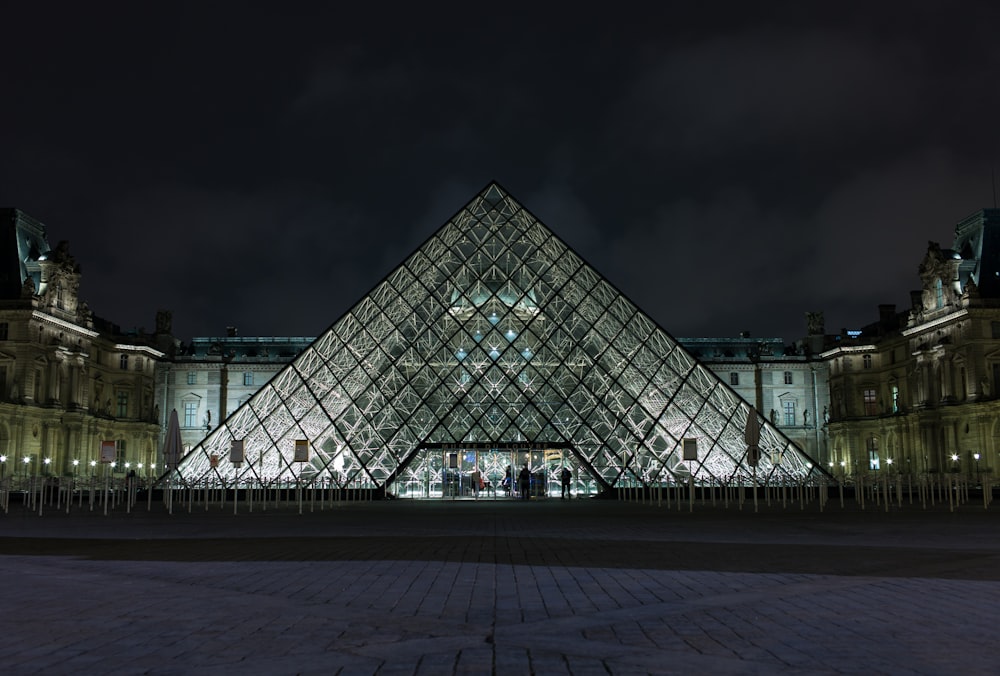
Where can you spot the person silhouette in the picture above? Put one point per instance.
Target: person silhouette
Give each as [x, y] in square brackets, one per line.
[565, 476]
[524, 482]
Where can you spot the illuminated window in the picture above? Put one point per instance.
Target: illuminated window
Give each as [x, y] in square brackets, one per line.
[248, 378]
[938, 294]
[788, 377]
[867, 361]
[789, 412]
[122, 404]
[871, 402]
[190, 413]
[872, 444]
[123, 362]
[894, 389]
[734, 378]
[192, 378]
[120, 455]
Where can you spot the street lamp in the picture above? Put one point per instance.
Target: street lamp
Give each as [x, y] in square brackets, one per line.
[976, 457]
[3, 465]
[27, 461]
[47, 461]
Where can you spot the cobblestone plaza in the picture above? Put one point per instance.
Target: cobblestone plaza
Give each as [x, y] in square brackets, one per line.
[501, 587]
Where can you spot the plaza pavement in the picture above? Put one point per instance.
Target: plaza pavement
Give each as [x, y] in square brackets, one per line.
[500, 587]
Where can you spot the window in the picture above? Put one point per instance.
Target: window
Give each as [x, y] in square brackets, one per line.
[122, 404]
[788, 377]
[4, 330]
[248, 378]
[138, 363]
[867, 361]
[995, 329]
[192, 378]
[734, 378]
[789, 412]
[871, 402]
[894, 389]
[123, 362]
[938, 294]
[190, 414]
[873, 461]
[120, 455]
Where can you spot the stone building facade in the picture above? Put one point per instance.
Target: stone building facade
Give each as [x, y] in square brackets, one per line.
[916, 391]
[69, 380]
[213, 376]
[787, 383]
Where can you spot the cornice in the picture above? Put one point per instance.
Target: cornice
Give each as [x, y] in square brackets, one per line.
[934, 323]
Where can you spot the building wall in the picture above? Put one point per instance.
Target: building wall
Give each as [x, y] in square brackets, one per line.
[785, 383]
[919, 387]
[212, 377]
[68, 380]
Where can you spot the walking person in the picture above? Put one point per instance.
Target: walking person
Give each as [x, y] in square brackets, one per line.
[564, 477]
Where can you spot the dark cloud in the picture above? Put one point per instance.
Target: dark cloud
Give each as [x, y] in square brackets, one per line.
[729, 167]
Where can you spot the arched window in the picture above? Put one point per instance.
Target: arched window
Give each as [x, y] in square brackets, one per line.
[938, 294]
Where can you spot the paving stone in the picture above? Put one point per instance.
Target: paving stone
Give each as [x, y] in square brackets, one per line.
[579, 587]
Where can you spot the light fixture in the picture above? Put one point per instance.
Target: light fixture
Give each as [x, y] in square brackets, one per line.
[954, 457]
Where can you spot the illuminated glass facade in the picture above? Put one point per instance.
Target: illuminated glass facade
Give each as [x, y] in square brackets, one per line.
[493, 345]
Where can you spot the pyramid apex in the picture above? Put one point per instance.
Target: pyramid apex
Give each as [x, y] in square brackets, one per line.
[493, 193]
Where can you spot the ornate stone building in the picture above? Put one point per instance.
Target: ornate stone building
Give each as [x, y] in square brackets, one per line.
[212, 377]
[917, 389]
[68, 379]
[787, 383]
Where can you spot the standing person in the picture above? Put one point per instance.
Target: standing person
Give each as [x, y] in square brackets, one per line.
[477, 480]
[565, 477]
[524, 482]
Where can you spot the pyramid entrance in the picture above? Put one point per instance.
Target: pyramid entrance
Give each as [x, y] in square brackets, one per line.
[450, 471]
[493, 344]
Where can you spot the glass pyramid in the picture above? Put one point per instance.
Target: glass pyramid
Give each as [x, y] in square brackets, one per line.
[492, 345]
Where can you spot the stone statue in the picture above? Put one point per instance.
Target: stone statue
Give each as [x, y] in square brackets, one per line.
[164, 321]
[805, 417]
[28, 288]
[815, 324]
[774, 417]
[984, 384]
[826, 415]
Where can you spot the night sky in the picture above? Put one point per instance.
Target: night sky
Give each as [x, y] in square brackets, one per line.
[728, 167]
